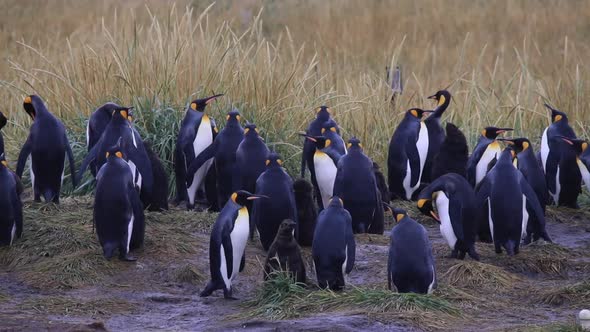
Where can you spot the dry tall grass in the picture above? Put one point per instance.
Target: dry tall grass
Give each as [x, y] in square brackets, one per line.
[500, 59]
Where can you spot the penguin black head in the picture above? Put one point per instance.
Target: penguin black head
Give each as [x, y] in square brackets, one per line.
[123, 111]
[399, 214]
[556, 115]
[330, 125]
[116, 151]
[250, 129]
[32, 105]
[323, 112]
[579, 145]
[442, 97]
[241, 197]
[287, 227]
[274, 160]
[417, 112]
[493, 132]
[199, 105]
[354, 142]
[518, 144]
[427, 208]
[233, 116]
[319, 141]
[3, 120]
[336, 201]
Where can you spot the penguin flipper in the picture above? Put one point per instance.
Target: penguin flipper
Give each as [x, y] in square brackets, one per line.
[137, 236]
[533, 205]
[456, 215]
[91, 156]
[199, 160]
[17, 208]
[478, 152]
[228, 252]
[337, 190]
[22, 157]
[483, 191]
[350, 249]
[71, 162]
[142, 161]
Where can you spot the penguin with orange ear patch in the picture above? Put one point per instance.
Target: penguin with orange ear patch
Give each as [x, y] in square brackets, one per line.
[436, 134]
[11, 218]
[484, 156]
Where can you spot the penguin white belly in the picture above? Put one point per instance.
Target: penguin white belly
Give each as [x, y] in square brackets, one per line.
[203, 139]
[239, 238]
[88, 133]
[12, 233]
[555, 195]
[431, 286]
[544, 150]
[525, 219]
[422, 146]
[407, 182]
[446, 227]
[585, 173]
[130, 230]
[135, 173]
[492, 151]
[325, 173]
[490, 221]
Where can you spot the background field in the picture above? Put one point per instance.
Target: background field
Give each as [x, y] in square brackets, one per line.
[276, 61]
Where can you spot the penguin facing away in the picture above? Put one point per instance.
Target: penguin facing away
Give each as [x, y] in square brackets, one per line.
[454, 200]
[408, 150]
[509, 198]
[227, 246]
[436, 134]
[485, 154]
[284, 254]
[48, 145]
[268, 214]
[11, 218]
[356, 185]
[453, 154]
[571, 171]
[118, 211]
[330, 130]
[223, 150]
[158, 200]
[307, 212]
[97, 123]
[334, 247]
[197, 132]
[410, 267]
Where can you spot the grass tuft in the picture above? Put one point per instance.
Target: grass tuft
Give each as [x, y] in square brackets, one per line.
[474, 274]
[576, 294]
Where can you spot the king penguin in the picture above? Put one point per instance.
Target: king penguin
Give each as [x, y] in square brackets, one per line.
[509, 199]
[356, 185]
[454, 200]
[408, 150]
[571, 172]
[118, 211]
[284, 254]
[11, 218]
[484, 155]
[227, 246]
[97, 123]
[583, 158]
[410, 267]
[48, 145]
[436, 134]
[334, 247]
[197, 132]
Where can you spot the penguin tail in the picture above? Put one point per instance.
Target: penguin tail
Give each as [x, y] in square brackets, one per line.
[108, 250]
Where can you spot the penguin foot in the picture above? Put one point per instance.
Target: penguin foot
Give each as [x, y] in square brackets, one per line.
[227, 294]
[127, 258]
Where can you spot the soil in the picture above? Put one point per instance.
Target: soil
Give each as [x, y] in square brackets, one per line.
[161, 293]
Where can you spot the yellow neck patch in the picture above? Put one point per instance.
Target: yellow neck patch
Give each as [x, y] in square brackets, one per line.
[280, 162]
[323, 130]
[414, 113]
[5, 163]
[399, 217]
[124, 114]
[333, 129]
[584, 146]
[442, 100]
[246, 131]
[267, 162]
[483, 132]
[28, 100]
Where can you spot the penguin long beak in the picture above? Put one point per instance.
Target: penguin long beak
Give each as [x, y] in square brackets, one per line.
[503, 130]
[550, 108]
[209, 100]
[432, 97]
[435, 216]
[507, 140]
[253, 197]
[311, 138]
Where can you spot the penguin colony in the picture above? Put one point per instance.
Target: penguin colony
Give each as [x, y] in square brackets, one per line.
[497, 194]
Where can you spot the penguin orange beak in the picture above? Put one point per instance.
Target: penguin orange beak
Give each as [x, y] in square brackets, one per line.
[212, 98]
[503, 130]
[432, 97]
[254, 197]
[435, 216]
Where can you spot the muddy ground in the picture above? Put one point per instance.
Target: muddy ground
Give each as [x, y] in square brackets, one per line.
[55, 278]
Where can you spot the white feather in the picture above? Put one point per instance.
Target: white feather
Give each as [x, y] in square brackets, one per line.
[585, 173]
[431, 286]
[492, 151]
[422, 146]
[88, 133]
[544, 150]
[12, 232]
[525, 218]
[32, 175]
[130, 230]
[490, 221]
[203, 139]
[446, 227]
[555, 195]
[325, 172]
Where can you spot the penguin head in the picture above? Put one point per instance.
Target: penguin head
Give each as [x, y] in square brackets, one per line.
[274, 160]
[330, 125]
[323, 112]
[33, 105]
[417, 113]
[443, 97]
[3, 120]
[518, 144]
[336, 201]
[579, 145]
[493, 132]
[122, 111]
[427, 208]
[287, 227]
[116, 151]
[507, 155]
[241, 197]
[556, 115]
[250, 130]
[233, 116]
[399, 214]
[198, 105]
[355, 143]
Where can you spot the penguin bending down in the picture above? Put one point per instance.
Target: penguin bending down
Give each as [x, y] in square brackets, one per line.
[228, 243]
[485, 154]
[453, 154]
[526, 162]
[333, 248]
[356, 185]
[48, 145]
[307, 212]
[510, 201]
[436, 134]
[223, 151]
[197, 132]
[411, 267]
[325, 160]
[408, 150]
[268, 214]
[118, 211]
[11, 218]
[454, 200]
[284, 254]
[97, 123]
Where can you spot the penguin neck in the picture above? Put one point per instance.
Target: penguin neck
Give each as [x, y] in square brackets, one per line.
[323, 116]
[440, 109]
[505, 157]
[232, 124]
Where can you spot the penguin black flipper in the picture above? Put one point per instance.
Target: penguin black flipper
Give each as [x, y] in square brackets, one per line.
[455, 213]
[141, 160]
[17, 207]
[243, 262]
[199, 160]
[22, 157]
[414, 158]
[90, 157]
[533, 205]
[350, 249]
[71, 162]
[228, 250]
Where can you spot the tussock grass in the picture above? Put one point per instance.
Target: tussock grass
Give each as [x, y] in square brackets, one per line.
[188, 274]
[69, 306]
[474, 274]
[576, 294]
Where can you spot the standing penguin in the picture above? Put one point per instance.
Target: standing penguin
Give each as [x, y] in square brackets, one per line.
[453, 154]
[509, 199]
[330, 130]
[484, 155]
[333, 248]
[381, 185]
[197, 132]
[223, 150]
[227, 246]
[408, 149]
[11, 218]
[454, 199]
[97, 123]
[48, 145]
[436, 134]
[527, 164]
[307, 212]
[268, 214]
[356, 185]
[571, 171]
[284, 254]
[410, 267]
[325, 160]
[580, 148]
[158, 200]
[118, 212]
